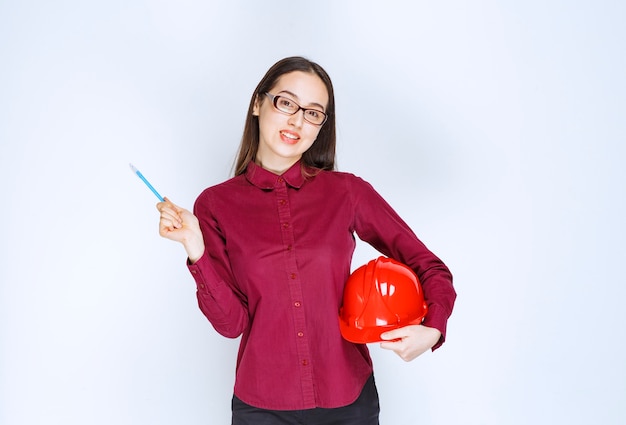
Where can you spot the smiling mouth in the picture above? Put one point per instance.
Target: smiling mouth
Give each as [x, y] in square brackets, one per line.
[289, 136]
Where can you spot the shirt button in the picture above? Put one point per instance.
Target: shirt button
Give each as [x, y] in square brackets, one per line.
[297, 304]
[282, 202]
[280, 180]
[292, 275]
[305, 362]
[201, 286]
[285, 225]
[289, 247]
[300, 334]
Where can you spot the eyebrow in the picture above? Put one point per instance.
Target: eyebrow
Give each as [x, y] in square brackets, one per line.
[297, 98]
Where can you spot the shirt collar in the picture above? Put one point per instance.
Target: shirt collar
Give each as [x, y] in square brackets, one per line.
[264, 179]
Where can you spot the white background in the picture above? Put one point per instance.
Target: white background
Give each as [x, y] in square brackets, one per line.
[496, 129]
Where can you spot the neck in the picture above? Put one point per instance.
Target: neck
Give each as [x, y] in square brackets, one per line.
[276, 168]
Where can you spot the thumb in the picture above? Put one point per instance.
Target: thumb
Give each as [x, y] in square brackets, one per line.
[393, 335]
[176, 207]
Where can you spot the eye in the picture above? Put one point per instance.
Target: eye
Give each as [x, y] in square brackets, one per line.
[314, 114]
[286, 104]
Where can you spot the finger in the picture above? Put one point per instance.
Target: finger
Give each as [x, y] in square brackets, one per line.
[399, 347]
[395, 334]
[172, 216]
[170, 209]
[170, 231]
[172, 205]
[170, 222]
[170, 212]
[165, 203]
[391, 345]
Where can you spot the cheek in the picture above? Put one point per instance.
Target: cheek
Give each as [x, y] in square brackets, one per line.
[267, 122]
[310, 142]
[314, 133]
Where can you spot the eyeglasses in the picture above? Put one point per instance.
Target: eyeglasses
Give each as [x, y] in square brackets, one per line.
[289, 107]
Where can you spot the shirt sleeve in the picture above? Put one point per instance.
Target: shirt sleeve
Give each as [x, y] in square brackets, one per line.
[376, 223]
[218, 298]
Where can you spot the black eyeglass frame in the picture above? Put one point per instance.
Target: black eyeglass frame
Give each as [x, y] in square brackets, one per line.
[274, 98]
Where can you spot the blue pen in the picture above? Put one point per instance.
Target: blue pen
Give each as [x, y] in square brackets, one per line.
[136, 171]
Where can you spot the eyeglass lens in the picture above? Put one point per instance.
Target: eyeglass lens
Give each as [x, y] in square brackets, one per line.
[288, 106]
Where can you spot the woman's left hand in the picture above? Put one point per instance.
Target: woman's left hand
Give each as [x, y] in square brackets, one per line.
[410, 341]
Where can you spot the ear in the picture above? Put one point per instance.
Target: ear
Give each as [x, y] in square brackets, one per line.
[256, 107]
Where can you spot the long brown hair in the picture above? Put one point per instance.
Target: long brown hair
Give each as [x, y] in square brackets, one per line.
[321, 154]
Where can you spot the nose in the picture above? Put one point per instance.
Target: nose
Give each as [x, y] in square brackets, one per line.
[297, 119]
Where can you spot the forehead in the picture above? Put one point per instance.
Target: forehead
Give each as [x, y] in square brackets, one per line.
[307, 87]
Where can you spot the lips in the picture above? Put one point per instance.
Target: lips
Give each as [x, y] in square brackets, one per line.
[289, 137]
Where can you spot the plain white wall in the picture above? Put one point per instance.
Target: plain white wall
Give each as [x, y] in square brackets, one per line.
[496, 129]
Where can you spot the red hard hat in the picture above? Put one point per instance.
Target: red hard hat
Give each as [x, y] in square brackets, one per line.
[380, 296]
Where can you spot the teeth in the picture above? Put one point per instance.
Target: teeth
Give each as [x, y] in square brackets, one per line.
[290, 136]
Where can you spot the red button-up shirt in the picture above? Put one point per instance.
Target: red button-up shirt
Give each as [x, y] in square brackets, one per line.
[278, 253]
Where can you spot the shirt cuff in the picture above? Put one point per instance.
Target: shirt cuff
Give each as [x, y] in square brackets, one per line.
[203, 274]
[437, 318]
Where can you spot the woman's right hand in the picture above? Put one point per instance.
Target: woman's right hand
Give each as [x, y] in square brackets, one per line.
[180, 225]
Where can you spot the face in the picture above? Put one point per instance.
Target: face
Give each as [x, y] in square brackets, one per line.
[284, 138]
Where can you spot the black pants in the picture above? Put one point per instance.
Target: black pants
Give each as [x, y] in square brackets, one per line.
[364, 411]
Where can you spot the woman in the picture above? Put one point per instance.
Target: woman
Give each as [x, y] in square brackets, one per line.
[270, 250]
